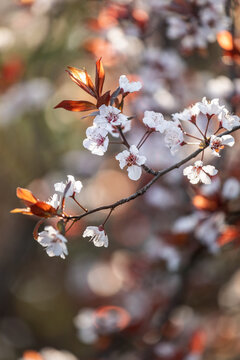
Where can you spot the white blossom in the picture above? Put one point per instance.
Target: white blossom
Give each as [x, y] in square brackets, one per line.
[201, 173]
[97, 234]
[53, 241]
[73, 186]
[133, 161]
[97, 140]
[128, 87]
[231, 189]
[228, 121]
[173, 137]
[155, 121]
[217, 143]
[109, 116]
[188, 114]
[211, 107]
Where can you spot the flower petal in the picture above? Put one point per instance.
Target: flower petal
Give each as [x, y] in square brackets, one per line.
[134, 172]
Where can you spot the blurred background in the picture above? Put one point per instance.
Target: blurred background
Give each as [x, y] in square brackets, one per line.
[159, 291]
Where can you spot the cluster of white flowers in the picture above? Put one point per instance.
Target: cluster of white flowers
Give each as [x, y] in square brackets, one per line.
[201, 23]
[208, 117]
[50, 238]
[108, 121]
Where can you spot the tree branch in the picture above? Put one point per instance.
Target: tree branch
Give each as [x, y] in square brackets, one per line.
[157, 175]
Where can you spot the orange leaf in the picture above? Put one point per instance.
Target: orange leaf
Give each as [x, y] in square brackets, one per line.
[225, 40]
[100, 77]
[26, 211]
[43, 209]
[72, 105]
[26, 196]
[82, 79]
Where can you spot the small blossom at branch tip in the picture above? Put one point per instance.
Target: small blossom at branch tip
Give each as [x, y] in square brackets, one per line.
[53, 241]
[128, 87]
[74, 186]
[97, 140]
[218, 143]
[210, 107]
[97, 235]
[188, 114]
[228, 121]
[155, 121]
[109, 116]
[199, 173]
[133, 161]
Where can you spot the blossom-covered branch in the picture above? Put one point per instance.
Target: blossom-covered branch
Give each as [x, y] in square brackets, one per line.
[157, 175]
[200, 124]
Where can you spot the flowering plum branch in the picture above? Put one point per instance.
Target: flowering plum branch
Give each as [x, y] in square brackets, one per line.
[203, 122]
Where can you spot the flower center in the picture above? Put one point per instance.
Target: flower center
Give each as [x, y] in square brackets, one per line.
[216, 145]
[99, 140]
[131, 160]
[112, 117]
[198, 169]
